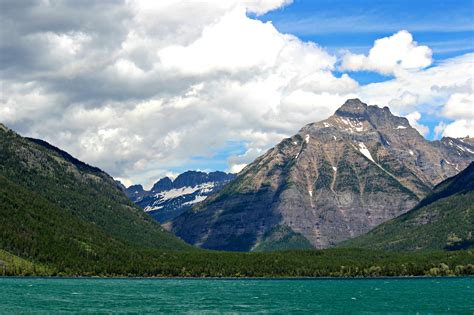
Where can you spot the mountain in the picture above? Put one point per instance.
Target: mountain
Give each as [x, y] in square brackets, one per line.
[168, 199]
[333, 180]
[57, 209]
[443, 220]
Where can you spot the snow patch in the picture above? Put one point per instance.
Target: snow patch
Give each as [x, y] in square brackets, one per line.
[198, 198]
[353, 125]
[401, 127]
[334, 168]
[174, 193]
[464, 149]
[363, 149]
[310, 193]
[295, 142]
[152, 208]
[306, 139]
[411, 152]
[346, 121]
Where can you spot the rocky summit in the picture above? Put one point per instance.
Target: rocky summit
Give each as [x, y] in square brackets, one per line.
[169, 198]
[333, 180]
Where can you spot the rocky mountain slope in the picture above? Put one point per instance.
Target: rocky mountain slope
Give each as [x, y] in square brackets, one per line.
[443, 220]
[55, 209]
[169, 198]
[333, 180]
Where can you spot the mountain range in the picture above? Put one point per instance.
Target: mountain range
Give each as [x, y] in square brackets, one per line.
[60, 216]
[169, 198]
[332, 181]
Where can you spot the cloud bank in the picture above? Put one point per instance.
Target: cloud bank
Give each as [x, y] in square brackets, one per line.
[140, 88]
[389, 55]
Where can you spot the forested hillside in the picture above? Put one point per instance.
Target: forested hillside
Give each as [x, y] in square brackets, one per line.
[78, 190]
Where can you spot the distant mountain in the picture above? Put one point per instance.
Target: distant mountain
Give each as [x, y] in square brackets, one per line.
[167, 199]
[55, 209]
[443, 220]
[333, 180]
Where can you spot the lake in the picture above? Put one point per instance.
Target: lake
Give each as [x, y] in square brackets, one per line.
[427, 295]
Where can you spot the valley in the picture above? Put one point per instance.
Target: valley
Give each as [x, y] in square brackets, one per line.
[361, 170]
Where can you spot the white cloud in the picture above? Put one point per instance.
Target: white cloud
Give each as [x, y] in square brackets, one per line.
[236, 168]
[263, 6]
[138, 88]
[390, 54]
[460, 128]
[413, 119]
[423, 90]
[460, 106]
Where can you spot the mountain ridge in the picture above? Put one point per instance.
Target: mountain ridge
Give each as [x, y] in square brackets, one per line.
[169, 198]
[81, 192]
[331, 181]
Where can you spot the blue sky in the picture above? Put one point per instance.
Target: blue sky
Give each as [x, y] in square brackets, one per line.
[446, 26]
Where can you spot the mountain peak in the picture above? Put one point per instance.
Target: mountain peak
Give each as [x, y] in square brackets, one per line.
[164, 183]
[333, 180]
[352, 107]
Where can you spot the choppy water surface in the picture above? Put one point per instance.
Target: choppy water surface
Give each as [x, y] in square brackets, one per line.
[435, 295]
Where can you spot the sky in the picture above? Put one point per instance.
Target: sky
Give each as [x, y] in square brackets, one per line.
[145, 89]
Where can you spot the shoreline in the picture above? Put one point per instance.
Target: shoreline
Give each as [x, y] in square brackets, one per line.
[239, 278]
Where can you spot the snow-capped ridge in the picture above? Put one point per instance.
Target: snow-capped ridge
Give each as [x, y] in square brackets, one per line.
[169, 198]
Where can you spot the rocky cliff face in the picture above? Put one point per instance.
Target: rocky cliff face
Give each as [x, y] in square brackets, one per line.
[443, 220]
[167, 199]
[333, 180]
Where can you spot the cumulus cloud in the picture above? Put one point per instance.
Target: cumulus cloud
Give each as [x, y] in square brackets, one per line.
[428, 88]
[413, 119]
[460, 107]
[389, 54]
[140, 88]
[459, 129]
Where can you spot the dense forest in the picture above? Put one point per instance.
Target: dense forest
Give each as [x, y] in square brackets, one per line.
[303, 263]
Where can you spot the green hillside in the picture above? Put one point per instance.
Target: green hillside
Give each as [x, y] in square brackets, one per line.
[443, 220]
[39, 231]
[282, 237]
[11, 265]
[84, 196]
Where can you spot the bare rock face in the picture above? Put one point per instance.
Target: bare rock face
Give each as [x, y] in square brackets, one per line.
[333, 180]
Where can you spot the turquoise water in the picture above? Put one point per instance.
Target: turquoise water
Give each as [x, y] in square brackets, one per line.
[432, 295]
